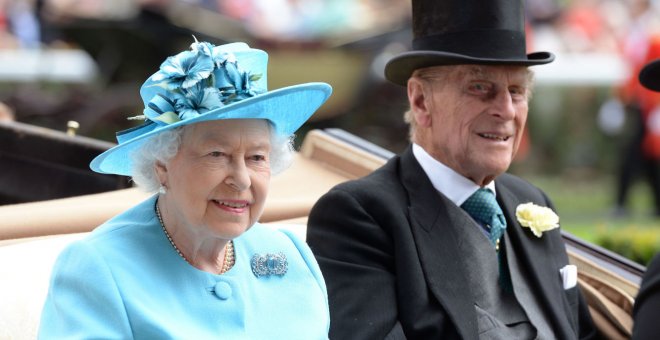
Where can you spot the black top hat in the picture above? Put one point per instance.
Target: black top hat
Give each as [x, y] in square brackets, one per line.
[649, 76]
[452, 32]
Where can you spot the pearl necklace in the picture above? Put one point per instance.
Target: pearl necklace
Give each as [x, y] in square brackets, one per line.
[229, 249]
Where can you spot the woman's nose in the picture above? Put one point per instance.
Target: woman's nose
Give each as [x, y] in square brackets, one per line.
[238, 177]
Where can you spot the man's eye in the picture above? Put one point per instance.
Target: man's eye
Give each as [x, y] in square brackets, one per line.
[517, 92]
[216, 154]
[480, 87]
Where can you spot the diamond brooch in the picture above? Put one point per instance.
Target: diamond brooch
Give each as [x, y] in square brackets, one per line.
[269, 264]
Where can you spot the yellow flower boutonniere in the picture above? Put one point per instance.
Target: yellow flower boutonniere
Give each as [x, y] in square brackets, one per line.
[537, 218]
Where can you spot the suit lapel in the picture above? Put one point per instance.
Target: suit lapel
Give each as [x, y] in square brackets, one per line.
[534, 254]
[434, 221]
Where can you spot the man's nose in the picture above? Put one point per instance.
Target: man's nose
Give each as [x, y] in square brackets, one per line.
[503, 106]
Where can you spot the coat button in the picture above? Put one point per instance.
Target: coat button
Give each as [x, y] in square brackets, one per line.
[222, 290]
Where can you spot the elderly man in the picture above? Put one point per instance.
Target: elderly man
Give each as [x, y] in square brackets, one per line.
[441, 243]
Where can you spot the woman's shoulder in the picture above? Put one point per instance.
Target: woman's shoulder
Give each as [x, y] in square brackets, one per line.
[277, 237]
[132, 221]
[276, 234]
[133, 230]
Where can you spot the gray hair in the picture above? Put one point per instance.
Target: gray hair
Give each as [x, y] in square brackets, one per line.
[164, 146]
[441, 75]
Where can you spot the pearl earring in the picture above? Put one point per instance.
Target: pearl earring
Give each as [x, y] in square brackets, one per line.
[162, 190]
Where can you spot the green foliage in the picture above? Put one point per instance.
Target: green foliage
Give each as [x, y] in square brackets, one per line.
[564, 133]
[637, 244]
[584, 202]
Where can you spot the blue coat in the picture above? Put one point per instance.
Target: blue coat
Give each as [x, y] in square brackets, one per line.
[126, 281]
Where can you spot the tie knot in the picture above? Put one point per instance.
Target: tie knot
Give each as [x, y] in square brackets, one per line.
[483, 207]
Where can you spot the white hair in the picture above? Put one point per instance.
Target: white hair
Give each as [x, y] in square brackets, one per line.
[164, 146]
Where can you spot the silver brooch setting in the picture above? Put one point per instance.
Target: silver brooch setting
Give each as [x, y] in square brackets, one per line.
[269, 264]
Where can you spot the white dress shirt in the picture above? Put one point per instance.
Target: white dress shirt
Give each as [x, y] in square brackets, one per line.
[444, 179]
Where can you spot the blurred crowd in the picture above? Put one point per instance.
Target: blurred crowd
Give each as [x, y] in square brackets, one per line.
[607, 26]
[620, 28]
[289, 20]
[310, 19]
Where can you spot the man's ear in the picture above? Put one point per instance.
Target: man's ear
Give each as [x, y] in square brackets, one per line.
[419, 102]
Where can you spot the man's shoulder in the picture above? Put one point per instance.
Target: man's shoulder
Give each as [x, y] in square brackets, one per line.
[510, 180]
[382, 180]
[517, 185]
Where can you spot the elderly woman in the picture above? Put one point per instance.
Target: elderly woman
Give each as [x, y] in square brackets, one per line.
[192, 261]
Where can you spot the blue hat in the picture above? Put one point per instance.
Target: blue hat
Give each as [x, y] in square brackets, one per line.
[210, 83]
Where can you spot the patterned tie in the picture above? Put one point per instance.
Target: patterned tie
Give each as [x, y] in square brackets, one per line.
[483, 207]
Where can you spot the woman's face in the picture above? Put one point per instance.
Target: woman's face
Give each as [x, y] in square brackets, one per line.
[218, 181]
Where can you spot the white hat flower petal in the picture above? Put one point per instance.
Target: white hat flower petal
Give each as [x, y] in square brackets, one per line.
[537, 218]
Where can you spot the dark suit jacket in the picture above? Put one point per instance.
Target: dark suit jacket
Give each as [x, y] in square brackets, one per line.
[387, 248]
[647, 304]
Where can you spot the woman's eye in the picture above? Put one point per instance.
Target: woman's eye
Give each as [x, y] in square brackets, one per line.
[216, 154]
[258, 158]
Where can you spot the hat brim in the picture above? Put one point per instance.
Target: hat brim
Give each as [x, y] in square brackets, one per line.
[286, 108]
[399, 69]
[649, 76]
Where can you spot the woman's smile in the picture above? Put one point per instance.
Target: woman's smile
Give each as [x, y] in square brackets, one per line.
[233, 206]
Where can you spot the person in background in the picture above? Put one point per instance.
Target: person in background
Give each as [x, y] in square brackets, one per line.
[647, 302]
[442, 243]
[192, 261]
[640, 154]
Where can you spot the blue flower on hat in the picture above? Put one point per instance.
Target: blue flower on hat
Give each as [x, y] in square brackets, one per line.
[186, 68]
[234, 85]
[190, 103]
[197, 81]
[160, 110]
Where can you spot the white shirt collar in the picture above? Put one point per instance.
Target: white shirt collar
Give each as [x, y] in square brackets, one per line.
[444, 179]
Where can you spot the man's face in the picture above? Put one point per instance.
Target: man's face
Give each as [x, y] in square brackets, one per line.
[476, 116]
